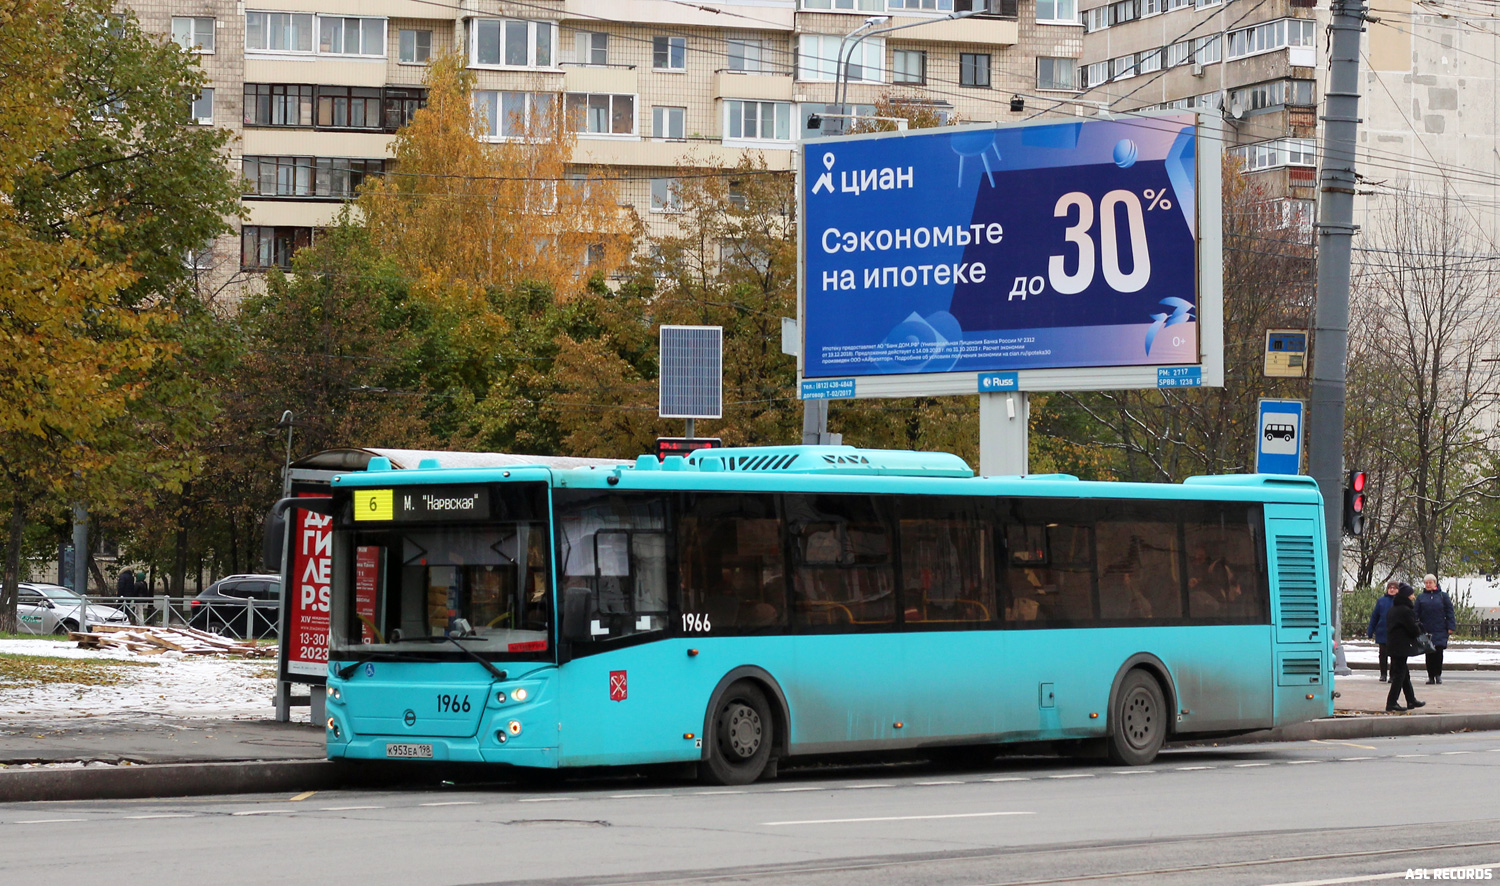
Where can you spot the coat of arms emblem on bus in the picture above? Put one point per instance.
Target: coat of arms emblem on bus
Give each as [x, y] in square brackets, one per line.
[617, 687]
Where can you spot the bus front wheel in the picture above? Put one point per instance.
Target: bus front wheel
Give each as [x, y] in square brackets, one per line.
[1138, 721]
[740, 736]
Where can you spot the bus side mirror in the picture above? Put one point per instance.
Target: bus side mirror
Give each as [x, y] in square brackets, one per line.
[273, 540]
[578, 605]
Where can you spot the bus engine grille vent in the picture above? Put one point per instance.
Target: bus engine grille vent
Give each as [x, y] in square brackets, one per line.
[1300, 670]
[1297, 576]
[778, 462]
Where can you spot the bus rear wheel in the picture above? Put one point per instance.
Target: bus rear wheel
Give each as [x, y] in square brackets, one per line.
[1138, 721]
[739, 737]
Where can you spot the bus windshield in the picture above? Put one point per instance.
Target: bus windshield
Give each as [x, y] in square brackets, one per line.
[482, 585]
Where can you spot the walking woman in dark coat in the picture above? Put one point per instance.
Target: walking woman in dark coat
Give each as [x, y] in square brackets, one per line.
[1435, 612]
[1376, 630]
[1401, 630]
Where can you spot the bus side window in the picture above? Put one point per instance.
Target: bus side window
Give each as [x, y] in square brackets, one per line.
[730, 563]
[614, 569]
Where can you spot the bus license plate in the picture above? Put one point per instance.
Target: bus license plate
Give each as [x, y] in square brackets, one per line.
[422, 751]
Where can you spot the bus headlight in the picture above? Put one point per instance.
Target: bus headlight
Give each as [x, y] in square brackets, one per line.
[520, 693]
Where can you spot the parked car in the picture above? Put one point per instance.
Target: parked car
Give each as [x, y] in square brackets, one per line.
[54, 609]
[224, 606]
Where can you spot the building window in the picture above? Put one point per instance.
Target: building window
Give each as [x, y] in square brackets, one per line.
[973, 69]
[263, 247]
[278, 104]
[1098, 19]
[415, 47]
[758, 120]
[669, 53]
[278, 32]
[203, 108]
[193, 34]
[908, 66]
[745, 55]
[349, 107]
[1124, 11]
[668, 122]
[831, 125]
[1150, 60]
[1152, 7]
[1278, 152]
[401, 104]
[928, 5]
[1178, 53]
[1123, 68]
[1271, 36]
[1057, 11]
[340, 35]
[1056, 73]
[664, 195]
[336, 178]
[1097, 73]
[511, 43]
[853, 5]
[591, 48]
[1275, 94]
[1208, 50]
[200, 259]
[598, 114]
[817, 59]
[513, 114]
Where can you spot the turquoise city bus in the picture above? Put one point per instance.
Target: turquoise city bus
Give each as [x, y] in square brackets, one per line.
[743, 606]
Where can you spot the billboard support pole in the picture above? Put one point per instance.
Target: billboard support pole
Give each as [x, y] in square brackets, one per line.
[1331, 324]
[1004, 443]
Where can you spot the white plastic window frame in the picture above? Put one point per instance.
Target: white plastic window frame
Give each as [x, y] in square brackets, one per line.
[532, 27]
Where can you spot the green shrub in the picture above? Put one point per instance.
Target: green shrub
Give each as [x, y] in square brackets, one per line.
[1355, 609]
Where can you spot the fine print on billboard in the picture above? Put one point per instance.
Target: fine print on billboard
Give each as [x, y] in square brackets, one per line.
[1001, 248]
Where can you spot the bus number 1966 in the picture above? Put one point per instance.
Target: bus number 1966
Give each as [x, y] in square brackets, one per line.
[452, 704]
[693, 622]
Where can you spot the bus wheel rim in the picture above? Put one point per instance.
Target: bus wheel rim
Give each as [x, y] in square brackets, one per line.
[742, 732]
[1139, 719]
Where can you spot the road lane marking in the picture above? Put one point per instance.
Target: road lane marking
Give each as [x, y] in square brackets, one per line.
[264, 812]
[717, 793]
[1074, 775]
[347, 808]
[1132, 771]
[547, 800]
[160, 815]
[50, 820]
[790, 790]
[302, 796]
[1009, 778]
[861, 787]
[1249, 765]
[1352, 759]
[1410, 755]
[1192, 768]
[928, 784]
[773, 824]
[1301, 762]
[1455, 753]
[1363, 747]
[452, 803]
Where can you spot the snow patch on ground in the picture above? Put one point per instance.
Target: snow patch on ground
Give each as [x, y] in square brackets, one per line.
[1461, 653]
[188, 686]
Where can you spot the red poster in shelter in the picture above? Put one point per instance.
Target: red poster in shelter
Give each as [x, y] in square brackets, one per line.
[308, 595]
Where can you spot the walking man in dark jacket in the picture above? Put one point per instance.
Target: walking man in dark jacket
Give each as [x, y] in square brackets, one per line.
[1435, 612]
[1401, 630]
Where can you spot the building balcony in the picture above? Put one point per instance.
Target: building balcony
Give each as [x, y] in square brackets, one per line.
[617, 79]
[675, 154]
[761, 86]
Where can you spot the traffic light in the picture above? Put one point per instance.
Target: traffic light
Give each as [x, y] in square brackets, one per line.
[1354, 504]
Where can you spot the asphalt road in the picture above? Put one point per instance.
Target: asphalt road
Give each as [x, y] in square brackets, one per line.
[1295, 813]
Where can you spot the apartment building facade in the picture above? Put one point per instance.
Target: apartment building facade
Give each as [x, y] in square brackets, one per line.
[1254, 61]
[315, 89]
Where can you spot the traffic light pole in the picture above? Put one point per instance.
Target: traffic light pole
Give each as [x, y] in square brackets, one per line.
[1331, 322]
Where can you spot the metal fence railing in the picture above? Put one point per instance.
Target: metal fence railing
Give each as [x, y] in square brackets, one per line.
[244, 619]
[1485, 629]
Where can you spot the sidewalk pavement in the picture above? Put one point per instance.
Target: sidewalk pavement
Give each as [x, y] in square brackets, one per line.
[147, 756]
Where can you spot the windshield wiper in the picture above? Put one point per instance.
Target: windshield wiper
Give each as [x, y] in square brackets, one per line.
[499, 674]
[348, 670]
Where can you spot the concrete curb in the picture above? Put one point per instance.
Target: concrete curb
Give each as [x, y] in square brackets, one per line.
[260, 776]
[172, 780]
[1371, 726]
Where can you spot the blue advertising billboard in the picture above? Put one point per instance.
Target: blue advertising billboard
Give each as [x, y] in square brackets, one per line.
[972, 250]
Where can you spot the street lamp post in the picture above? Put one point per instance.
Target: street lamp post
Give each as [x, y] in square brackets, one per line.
[286, 470]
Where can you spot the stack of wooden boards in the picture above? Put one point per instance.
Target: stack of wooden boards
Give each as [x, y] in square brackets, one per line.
[146, 640]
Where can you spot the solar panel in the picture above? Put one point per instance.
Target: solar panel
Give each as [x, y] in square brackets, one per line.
[692, 372]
